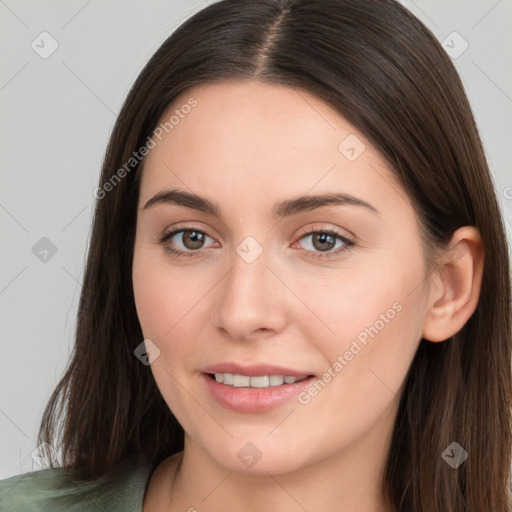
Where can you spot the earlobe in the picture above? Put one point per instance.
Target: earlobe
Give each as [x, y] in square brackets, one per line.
[455, 285]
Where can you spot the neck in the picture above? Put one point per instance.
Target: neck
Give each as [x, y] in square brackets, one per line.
[345, 481]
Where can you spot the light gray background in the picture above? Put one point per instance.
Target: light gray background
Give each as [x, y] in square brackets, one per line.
[56, 117]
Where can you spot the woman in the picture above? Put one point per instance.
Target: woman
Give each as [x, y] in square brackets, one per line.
[297, 293]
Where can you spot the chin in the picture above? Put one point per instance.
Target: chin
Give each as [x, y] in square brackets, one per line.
[254, 459]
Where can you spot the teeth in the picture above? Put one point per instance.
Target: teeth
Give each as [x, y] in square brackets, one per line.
[260, 381]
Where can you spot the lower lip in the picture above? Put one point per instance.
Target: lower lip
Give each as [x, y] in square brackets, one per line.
[253, 400]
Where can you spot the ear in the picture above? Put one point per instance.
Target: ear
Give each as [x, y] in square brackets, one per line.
[454, 285]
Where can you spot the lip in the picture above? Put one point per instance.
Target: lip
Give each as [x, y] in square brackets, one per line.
[254, 400]
[254, 370]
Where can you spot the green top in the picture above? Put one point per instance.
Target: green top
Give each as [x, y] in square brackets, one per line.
[54, 490]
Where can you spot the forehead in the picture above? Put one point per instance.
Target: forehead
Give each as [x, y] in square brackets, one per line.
[244, 142]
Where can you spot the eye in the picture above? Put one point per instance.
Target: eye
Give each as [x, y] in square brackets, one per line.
[323, 242]
[188, 241]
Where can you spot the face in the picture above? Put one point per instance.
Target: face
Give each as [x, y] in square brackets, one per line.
[264, 284]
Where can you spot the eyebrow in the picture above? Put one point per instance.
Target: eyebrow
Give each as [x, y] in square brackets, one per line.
[280, 210]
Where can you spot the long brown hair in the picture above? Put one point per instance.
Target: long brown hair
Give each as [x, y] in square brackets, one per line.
[386, 73]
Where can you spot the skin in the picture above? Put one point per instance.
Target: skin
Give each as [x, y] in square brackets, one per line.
[247, 146]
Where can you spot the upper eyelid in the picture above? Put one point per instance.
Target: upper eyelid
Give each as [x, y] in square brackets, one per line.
[308, 230]
[175, 230]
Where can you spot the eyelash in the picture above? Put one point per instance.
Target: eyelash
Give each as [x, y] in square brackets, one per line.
[318, 255]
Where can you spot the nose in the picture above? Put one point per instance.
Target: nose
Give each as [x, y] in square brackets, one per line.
[250, 301]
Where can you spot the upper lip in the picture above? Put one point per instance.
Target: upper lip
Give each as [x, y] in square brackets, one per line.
[254, 370]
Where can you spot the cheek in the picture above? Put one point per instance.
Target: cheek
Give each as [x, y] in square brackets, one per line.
[165, 300]
[372, 321]
[366, 364]
[151, 296]
[345, 304]
[171, 301]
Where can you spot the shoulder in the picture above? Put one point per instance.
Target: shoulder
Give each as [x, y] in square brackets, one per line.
[55, 490]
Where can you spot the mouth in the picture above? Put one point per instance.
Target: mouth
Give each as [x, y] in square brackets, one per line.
[254, 394]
